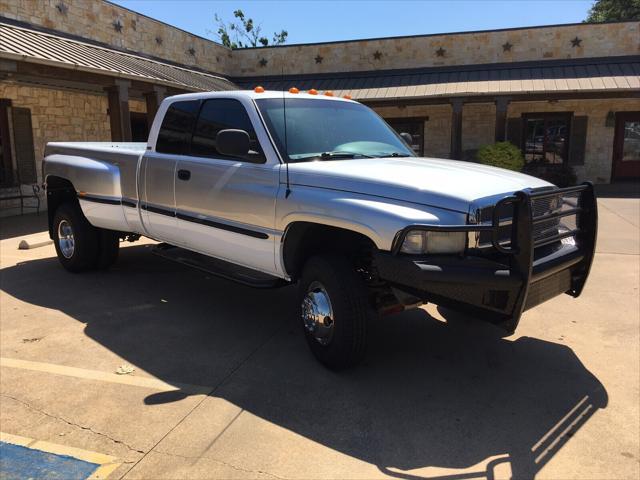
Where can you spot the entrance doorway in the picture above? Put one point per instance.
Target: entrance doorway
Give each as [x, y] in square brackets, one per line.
[626, 146]
[139, 127]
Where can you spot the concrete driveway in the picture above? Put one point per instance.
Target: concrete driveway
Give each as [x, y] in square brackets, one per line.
[224, 386]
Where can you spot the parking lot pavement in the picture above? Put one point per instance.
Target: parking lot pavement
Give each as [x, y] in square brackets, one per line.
[224, 386]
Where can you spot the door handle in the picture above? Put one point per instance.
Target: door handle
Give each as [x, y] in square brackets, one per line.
[184, 174]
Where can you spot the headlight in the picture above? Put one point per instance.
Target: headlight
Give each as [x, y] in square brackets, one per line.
[419, 242]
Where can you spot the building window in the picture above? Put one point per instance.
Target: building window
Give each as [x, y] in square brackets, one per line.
[546, 138]
[414, 126]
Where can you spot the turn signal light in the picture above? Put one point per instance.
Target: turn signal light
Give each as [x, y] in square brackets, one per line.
[329, 93]
[312, 91]
[259, 89]
[294, 90]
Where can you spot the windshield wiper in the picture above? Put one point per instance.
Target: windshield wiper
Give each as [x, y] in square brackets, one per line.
[334, 155]
[395, 154]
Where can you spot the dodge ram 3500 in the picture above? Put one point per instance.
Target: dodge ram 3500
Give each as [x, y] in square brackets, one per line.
[273, 188]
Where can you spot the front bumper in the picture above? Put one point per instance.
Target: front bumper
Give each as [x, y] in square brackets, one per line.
[517, 277]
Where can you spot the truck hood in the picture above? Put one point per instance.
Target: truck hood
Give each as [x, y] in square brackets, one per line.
[449, 184]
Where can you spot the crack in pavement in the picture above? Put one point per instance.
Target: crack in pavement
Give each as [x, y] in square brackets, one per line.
[222, 462]
[617, 214]
[68, 422]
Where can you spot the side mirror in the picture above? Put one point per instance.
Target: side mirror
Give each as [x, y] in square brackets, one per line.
[233, 143]
[407, 137]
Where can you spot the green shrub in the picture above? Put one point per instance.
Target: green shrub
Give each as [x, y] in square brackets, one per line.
[501, 154]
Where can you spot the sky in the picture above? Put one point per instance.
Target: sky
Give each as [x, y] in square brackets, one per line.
[321, 21]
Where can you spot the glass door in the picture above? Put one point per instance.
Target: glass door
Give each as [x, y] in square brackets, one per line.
[626, 146]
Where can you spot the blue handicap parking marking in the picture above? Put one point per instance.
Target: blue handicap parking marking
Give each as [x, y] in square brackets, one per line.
[19, 463]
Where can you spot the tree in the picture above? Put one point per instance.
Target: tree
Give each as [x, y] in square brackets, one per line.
[613, 10]
[245, 33]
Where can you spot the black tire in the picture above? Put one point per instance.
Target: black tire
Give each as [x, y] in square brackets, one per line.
[109, 248]
[84, 254]
[351, 308]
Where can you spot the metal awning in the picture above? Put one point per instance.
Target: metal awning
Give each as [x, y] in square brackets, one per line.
[34, 46]
[611, 74]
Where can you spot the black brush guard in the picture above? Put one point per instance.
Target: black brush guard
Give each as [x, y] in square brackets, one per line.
[518, 276]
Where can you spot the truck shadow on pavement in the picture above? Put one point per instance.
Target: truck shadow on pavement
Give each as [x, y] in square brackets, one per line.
[430, 394]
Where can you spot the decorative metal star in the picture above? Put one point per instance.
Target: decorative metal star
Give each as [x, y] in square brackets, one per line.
[440, 52]
[377, 55]
[576, 42]
[159, 40]
[319, 58]
[263, 62]
[506, 47]
[62, 8]
[117, 26]
[192, 51]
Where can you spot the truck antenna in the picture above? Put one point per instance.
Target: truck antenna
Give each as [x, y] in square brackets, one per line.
[286, 149]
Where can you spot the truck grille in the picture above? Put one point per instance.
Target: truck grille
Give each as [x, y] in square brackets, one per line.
[545, 230]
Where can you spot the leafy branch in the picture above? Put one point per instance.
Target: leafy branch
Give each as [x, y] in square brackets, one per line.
[244, 32]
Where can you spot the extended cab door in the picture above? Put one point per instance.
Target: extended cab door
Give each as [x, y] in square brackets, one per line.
[158, 171]
[225, 206]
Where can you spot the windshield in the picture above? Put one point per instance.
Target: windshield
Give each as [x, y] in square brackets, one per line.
[329, 130]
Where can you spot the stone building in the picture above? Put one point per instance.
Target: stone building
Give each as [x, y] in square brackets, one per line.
[567, 95]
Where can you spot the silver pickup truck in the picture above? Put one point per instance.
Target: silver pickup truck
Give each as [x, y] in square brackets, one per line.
[272, 188]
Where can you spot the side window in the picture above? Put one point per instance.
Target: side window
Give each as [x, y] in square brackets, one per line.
[220, 114]
[176, 128]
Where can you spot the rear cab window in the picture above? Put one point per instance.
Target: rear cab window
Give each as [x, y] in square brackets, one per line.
[177, 126]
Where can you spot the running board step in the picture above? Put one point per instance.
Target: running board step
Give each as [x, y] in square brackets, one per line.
[217, 267]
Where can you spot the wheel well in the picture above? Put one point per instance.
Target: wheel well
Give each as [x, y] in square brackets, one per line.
[304, 239]
[59, 190]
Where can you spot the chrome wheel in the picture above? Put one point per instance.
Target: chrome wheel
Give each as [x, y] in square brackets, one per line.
[317, 313]
[66, 241]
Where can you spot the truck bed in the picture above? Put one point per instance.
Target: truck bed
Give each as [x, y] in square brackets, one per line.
[129, 147]
[103, 173]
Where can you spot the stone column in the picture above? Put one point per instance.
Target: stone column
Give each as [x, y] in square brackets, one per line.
[119, 118]
[456, 129]
[502, 104]
[154, 98]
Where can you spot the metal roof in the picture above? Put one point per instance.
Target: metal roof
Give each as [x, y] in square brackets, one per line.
[18, 43]
[552, 76]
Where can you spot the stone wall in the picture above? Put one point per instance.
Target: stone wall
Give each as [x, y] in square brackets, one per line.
[478, 127]
[60, 115]
[513, 45]
[95, 19]
[137, 106]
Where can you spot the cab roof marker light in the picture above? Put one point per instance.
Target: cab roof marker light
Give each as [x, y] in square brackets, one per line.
[259, 89]
[348, 97]
[294, 90]
[312, 91]
[328, 93]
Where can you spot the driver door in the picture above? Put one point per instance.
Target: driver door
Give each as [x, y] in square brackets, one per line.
[225, 206]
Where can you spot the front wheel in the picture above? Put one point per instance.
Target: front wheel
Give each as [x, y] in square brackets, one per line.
[335, 311]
